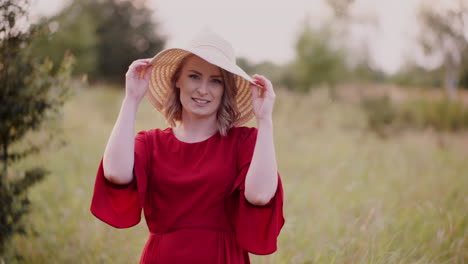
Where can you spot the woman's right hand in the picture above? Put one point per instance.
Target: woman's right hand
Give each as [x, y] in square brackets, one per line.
[137, 79]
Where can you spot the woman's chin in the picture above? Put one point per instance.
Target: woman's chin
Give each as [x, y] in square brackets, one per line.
[201, 113]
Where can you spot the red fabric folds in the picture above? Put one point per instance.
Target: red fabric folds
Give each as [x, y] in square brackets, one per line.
[193, 199]
[256, 227]
[120, 205]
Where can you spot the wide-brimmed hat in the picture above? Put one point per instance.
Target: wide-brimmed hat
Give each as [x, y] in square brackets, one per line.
[213, 49]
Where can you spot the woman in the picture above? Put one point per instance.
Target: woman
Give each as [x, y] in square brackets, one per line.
[209, 189]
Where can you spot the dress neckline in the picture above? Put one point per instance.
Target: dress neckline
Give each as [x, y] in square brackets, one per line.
[171, 133]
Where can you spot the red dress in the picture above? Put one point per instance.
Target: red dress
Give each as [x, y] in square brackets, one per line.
[192, 196]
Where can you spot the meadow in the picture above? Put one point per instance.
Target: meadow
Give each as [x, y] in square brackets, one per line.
[350, 196]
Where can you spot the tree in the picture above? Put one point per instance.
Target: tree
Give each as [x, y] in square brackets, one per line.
[31, 93]
[464, 76]
[318, 59]
[443, 34]
[341, 8]
[73, 31]
[346, 22]
[126, 34]
[105, 36]
[280, 75]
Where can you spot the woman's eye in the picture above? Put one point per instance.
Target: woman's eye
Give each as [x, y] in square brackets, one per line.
[194, 76]
[217, 81]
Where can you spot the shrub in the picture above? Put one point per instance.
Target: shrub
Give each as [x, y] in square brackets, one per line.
[31, 94]
[440, 114]
[381, 114]
[385, 116]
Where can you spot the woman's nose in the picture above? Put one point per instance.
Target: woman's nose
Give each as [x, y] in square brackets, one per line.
[203, 88]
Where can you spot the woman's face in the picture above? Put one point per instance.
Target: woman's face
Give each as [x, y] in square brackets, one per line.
[201, 88]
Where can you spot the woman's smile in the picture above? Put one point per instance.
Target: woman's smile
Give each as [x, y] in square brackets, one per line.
[200, 101]
[201, 88]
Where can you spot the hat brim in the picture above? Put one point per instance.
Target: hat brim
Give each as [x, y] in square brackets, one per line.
[165, 63]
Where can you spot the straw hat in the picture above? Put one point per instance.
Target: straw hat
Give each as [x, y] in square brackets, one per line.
[213, 49]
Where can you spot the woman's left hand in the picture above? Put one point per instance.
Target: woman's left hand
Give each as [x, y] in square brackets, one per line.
[263, 97]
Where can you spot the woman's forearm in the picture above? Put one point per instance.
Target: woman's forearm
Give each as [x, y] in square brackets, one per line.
[262, 177]
[119, 154]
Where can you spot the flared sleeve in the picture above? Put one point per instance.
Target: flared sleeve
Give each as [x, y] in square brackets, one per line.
[120, 205]
[257, 227]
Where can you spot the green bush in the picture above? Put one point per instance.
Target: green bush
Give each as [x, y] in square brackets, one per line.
[385, 116]
[381, 114]
[32, 94]
[440, 114]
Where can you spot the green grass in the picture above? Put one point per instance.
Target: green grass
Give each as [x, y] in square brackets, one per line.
[351, 197]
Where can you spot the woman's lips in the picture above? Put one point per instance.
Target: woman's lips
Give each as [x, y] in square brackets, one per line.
[200, 101]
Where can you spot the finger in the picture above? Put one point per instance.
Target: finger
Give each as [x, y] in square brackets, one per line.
[265, 81]
[146, 60]
[140, 68]
[142, 73]
[138, 64]
[260, 89]
[257, 78]
[147, 73]
[268, 86]
[255, 93]
[259, 81]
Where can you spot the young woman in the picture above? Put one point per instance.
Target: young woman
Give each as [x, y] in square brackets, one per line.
[209, 188]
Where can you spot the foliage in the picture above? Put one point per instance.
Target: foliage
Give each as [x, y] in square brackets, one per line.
[31, 93]
[416, 76]
[318, 59]
[381, 114]
[321, 59]
[76, 33]
[464, 71]
[105, 36]
[386, 117]
[364, 72]
[440, 114]
[443, 34]
[341, 8]
[279, 75]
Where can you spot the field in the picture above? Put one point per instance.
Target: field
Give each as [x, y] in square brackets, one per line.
[350, 196]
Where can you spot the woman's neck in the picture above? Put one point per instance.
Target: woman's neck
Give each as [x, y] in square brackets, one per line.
[193, 129]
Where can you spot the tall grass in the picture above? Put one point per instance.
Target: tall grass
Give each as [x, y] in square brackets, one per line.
[351, 197]
[385, 116]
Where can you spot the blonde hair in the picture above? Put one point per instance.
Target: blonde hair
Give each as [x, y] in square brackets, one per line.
[227, 113]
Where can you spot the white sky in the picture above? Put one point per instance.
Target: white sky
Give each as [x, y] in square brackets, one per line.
[267, 29]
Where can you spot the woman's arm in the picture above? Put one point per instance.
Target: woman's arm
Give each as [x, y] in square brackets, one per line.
[262, 177]
[118, 157]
